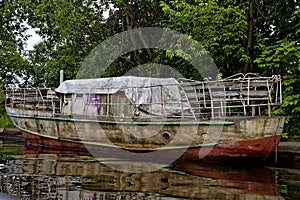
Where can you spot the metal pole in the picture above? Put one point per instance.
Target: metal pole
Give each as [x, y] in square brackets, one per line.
[61, 79]
[61, 76]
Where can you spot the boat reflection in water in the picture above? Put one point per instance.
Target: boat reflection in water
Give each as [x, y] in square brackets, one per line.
[55, 174]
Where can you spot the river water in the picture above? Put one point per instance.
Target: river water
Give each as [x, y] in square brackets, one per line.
[28, 172]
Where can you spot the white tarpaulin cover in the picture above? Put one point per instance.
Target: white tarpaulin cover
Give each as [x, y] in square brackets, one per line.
[159, 96]
[111, 85]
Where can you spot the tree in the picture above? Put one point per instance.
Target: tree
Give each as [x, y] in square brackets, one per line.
[70, 30]
[132, 14]
[219, 28]
[283, 57]
[13, 35]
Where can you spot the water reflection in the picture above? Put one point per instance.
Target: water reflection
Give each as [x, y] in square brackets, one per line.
[36, 173]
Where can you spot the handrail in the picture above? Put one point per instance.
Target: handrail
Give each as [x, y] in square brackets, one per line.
[229, 96]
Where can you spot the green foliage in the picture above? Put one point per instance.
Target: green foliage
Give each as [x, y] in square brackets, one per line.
[220, 29]
[262, 34]
[70, 30]
[4, 119]
[2, 93]
[12, 34]
[284, 58]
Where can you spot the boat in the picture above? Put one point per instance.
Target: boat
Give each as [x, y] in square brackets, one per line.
[154, 119]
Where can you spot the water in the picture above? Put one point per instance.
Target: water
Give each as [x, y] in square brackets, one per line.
[28, 172]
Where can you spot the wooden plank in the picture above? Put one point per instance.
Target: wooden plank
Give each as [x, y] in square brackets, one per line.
[256, 93]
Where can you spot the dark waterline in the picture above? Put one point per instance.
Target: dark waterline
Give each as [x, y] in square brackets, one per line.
[36, 173]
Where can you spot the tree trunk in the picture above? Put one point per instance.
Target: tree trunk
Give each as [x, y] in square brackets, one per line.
[249, 43]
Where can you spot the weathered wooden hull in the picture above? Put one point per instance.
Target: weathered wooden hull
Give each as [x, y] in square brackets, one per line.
[222, 152]
[236, 150]
[243, 137]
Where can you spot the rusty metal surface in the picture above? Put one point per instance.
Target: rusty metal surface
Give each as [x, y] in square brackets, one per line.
[123, 135]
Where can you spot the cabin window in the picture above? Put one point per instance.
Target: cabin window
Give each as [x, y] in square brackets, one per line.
[67, 104]
[105, 105]
[120, 105]
[92, 104]
[68, 96]
[78, 105]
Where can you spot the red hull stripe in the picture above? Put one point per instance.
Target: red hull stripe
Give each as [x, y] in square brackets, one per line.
[256, 148]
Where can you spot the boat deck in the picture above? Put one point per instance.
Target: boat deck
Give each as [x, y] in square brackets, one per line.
[239, 95]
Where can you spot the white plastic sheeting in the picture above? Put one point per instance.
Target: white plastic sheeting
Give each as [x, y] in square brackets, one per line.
[156, 96]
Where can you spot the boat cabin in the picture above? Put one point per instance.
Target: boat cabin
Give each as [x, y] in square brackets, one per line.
[123, 97]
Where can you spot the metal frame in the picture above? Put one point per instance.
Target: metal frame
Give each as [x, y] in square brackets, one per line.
[236, 95]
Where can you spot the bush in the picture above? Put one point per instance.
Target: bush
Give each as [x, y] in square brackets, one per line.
[4, 119]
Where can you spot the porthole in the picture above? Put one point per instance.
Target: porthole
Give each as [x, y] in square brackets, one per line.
[41, 126]
[131, 136]
[166, 136]
[27, 125]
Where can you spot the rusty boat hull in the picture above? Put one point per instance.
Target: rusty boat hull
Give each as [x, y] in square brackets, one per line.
[233, 151]
[244, 138]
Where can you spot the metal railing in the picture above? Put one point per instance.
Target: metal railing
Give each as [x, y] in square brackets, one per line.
[237, 95]
[38, 99]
